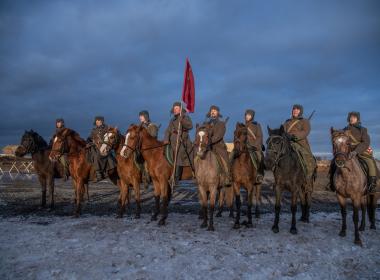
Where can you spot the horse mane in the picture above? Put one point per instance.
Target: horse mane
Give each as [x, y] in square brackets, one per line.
[39, 141]
[74, 135]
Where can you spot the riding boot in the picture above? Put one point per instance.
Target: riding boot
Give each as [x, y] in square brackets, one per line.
[99, 176]
[260, 172]
[372, 185]
[178, 175]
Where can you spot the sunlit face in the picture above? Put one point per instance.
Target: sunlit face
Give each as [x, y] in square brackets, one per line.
[353, 119]
[248, 117]
[59, 124]
[176, 110]
[99, 122]
[142, 119]
[296, 112]
[214, 113]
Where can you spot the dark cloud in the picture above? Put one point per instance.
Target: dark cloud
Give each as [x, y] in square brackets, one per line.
[77, 59]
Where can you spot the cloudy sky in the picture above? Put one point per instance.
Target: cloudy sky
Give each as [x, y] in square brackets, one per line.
[78, 59]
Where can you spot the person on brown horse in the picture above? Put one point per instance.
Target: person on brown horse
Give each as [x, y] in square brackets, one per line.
[217, 145]
[297, 129]
[153, 131]
[360, 147]
[59, 125]
[255, 143]
[184, 153]
[102, 164]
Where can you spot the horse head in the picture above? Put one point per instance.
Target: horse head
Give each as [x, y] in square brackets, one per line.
[110, 141]
[30, 142]
[132, 141]
[341, 146]
[240, 137]
[202, 139]
[60, 143]
[276, 144]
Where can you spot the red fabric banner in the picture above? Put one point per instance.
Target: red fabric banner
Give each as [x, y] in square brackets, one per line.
[188, 91]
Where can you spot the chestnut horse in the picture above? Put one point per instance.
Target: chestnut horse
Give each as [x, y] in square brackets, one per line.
[244, 175]
[350, 182]
[207, 176]
[32, 143]
[129, 172]
[80, 169]
[138, 140]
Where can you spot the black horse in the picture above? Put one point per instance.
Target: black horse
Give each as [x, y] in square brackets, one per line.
[288, 175]
[32, 143]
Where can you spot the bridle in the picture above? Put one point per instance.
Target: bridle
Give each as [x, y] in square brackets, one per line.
[244, 144]
[279, 154]
[339, 153]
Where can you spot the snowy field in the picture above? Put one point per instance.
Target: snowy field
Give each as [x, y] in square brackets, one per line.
[102, 247]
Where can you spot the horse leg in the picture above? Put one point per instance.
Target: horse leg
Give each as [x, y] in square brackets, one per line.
[303, 206]
[277, 210]
[211, 210]
[50, 182]
[249, 223]
[236, 187]
[122, 198]
[220, 203]
[372, 211]
[307, 207]
[79, 197]
[258, 201]
[293, 209]
[165, 204]
[363, 206]
[136, 188]
[156, 207]
[355, 218]
[43, 190]
[343, 211]
[203, 202]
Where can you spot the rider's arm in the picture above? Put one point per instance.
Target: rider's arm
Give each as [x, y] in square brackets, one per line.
[364, 143]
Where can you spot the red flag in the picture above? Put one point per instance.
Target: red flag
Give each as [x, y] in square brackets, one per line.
[188, 91]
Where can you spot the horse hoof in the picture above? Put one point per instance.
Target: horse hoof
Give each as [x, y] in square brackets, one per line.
[257, 215]
[358, 242]
[231, 215]
[137, 216]
[372, 227]
[119, 216]
[275, 229]
[247, 224]
[293, 231]
[361, 228]
[219, 214]
[161, 222]
[342, 233]
[211, 228]
[236, 226]
[153, 218]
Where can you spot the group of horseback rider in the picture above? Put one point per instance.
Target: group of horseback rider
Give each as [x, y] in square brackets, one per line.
[296, 130]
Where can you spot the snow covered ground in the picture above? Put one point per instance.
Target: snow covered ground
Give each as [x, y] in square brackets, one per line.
[94, 247]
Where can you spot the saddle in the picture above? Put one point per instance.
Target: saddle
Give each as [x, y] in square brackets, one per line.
[364, 167]
[307, 160]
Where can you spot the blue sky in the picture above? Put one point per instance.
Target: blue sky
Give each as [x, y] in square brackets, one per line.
[78, 59]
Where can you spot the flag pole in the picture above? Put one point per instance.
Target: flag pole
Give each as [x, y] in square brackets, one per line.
[179, 133]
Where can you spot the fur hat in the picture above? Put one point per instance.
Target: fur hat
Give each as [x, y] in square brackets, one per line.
[356, 114]
[177, 103]
[98, 118]
[300, 107]
[60, 120]
[213, 107]
[145, 113]
[250, 112]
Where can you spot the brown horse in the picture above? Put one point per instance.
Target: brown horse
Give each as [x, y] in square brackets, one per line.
[32, 143]
[244, 175]
[288, 175]
[127, 168]
[139, 141]
[350, 182]
[80, 169]
[207, 175]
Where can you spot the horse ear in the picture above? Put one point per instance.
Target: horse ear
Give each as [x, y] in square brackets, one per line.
[269, 130]
[282, 129]
[237, 125]
[332, 130]
[197, 126]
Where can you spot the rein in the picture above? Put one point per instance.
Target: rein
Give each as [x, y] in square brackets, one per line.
[280, 154]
